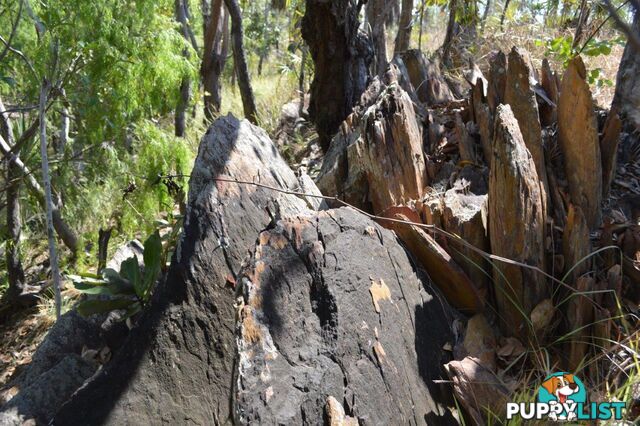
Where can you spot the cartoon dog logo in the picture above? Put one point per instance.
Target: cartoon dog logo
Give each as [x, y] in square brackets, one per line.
[562, 387]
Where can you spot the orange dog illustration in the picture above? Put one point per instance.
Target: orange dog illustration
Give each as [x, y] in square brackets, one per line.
[561, 387]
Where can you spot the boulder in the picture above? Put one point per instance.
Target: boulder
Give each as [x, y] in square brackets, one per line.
[41, 398]
[56, 371]
[332, 317]
[178, 362]
[516, 225]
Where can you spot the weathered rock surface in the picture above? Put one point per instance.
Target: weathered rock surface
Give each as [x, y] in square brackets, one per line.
[177, 364]
[578, 139]
[426, 78]
[519, 94]
[465, 215]
[444, 271]
[331, 307]
[478, 389]
[516, 224]
[41, 398]
[497, 80]
[376, 160]
[609, 149]
[549, 82]
[56, 370]
[576, 245]
[482, 116]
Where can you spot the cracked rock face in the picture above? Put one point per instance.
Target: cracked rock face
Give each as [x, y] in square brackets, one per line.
[331, 314]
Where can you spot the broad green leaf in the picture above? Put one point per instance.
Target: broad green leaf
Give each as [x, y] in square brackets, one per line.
[152, 262]
[92, 307]
[130, 271]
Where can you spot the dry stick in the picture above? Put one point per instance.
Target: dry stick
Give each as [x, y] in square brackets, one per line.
[55, 271]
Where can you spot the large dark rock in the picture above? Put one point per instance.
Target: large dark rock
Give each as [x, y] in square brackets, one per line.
[177, 364]
[331, 312]
[56, 370]
[326, 321]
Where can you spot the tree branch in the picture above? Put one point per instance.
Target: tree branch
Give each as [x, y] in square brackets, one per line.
[13, 33]
[634, 39]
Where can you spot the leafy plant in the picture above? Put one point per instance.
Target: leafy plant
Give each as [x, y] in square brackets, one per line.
[129, 290]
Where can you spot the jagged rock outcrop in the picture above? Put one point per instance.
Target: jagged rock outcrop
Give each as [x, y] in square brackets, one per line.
[520, 95]
[177, 365]
[376, 160]
[578, 139]
[516, 225]
[332, 310]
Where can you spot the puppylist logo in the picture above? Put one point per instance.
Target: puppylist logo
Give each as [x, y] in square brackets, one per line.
[563, 397]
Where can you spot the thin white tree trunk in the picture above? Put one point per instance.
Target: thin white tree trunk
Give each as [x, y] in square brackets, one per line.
[55, 271]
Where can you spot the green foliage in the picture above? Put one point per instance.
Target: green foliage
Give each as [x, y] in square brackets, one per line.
[561, 48]
[129, 290]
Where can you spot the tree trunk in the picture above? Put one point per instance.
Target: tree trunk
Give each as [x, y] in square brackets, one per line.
[448, 38]
[341, 56]
[504, 13]
[46, 178]
[627, 96]
[377, 11]
[485, 14]
[62, 228]
[15, 273]
[240, 60]
[583, 17]
[216, 26]
[403, 38]
[182, 16]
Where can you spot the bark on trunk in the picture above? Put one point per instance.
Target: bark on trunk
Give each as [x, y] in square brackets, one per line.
[15, 273]
[403, 39]
[377, 11]
[627, 96]
[240, 59]
[63, 230]
[485, 14]
[216, 45]
[182, 16]
[341, 56]
[448, 38]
